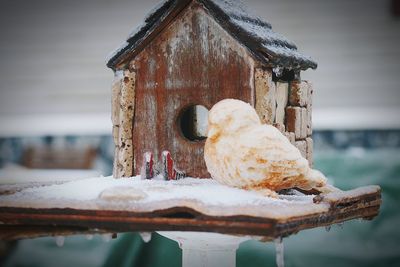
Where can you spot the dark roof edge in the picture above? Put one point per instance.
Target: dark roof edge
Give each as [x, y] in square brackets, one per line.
[151, 23]
[254, 48]
[223, 20]
[279, 54]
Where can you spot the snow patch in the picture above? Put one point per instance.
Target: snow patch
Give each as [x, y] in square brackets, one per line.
[203, 195]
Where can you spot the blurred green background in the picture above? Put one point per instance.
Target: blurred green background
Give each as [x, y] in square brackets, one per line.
[55, 93]
[356, 243]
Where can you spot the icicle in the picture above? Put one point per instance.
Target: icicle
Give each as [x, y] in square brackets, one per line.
[89, 237]
[280, 262]
[106, 237]
[146, 236]
[327, 228]
[147, 171]
[60, 241]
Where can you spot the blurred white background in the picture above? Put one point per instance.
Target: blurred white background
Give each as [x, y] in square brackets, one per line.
[53, 78]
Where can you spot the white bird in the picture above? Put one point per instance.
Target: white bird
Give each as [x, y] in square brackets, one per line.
[242, 152]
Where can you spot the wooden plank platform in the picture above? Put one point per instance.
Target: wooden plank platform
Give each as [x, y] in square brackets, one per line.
[20, 221]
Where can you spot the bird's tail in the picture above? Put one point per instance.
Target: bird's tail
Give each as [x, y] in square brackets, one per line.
[316, 178]
[321, 182]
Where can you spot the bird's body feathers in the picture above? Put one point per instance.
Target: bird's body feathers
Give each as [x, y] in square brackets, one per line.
[241, 152]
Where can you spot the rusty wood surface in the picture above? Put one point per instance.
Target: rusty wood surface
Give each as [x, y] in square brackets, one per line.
[192, 62]
[181, 219]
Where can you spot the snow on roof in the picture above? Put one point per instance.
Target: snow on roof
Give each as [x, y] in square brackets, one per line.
[253, 32]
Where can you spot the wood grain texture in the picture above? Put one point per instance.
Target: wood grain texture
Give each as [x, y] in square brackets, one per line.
[191, 62]
[182, 219]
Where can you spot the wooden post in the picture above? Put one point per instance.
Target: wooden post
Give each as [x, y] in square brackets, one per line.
[265, 96]
[123, 109]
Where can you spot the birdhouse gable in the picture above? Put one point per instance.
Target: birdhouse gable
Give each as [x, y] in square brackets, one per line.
[270, 48]
[185, 57]
[190, 64]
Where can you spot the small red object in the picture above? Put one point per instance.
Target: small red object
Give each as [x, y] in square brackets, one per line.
[169, 172]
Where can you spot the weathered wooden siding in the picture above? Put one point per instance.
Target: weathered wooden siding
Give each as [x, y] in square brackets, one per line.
[193, 61]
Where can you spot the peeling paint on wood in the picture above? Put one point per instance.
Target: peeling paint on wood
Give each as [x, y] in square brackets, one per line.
[265, 96]
[197, 63]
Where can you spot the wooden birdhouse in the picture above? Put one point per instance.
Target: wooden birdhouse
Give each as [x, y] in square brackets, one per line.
[185, 57]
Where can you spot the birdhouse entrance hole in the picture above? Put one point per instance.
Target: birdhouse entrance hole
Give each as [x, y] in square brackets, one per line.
[193, 123]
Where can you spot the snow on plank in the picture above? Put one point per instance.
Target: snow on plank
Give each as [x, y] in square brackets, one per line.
[133, 204]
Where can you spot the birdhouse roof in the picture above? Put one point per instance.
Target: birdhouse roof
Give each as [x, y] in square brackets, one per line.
[271, 48]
